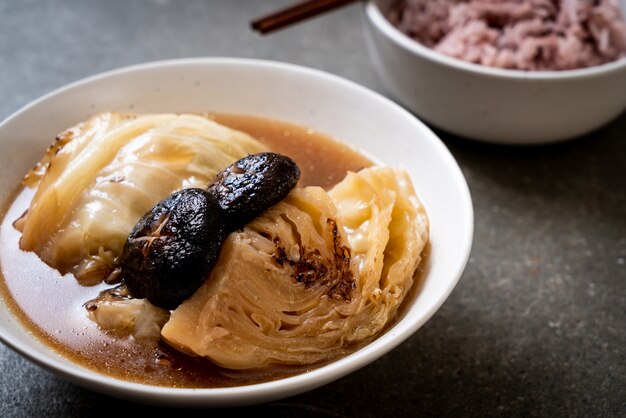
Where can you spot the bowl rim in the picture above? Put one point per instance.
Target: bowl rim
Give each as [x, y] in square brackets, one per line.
[272, 390]
[375, 15]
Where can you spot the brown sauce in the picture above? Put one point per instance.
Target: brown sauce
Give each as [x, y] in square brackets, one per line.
[323, 161]
[51, 305]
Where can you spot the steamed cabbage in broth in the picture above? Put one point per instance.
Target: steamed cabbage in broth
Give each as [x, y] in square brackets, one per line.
[308, 278]
[101, 176]
[313, 276]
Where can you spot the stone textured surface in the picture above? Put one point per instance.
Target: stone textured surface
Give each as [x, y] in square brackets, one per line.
[537, 323]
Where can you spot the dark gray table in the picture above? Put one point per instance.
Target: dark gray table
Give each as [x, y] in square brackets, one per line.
[536, 325]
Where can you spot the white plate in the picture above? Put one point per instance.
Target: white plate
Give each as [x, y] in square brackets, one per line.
[332, 105]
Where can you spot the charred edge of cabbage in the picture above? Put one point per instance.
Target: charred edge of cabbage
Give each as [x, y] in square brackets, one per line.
[113, 294]
[41, 168]
[309, 269]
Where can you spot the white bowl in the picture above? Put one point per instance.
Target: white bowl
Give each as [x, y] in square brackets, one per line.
[299, 95]
[491, 104]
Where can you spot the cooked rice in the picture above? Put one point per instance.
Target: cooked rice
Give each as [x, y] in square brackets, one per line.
[517, 34]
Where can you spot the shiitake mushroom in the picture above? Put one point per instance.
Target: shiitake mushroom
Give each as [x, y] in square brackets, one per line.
[171, 251]
[249, 186]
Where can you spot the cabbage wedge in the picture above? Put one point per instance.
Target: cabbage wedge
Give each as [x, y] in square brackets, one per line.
[101, 176]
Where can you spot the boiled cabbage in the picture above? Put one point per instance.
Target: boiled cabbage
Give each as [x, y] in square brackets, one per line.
[101, 176]
[126, 316]
[312, 277]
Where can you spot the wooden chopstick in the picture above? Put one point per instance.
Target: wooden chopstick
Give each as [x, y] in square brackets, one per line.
[295, 14]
